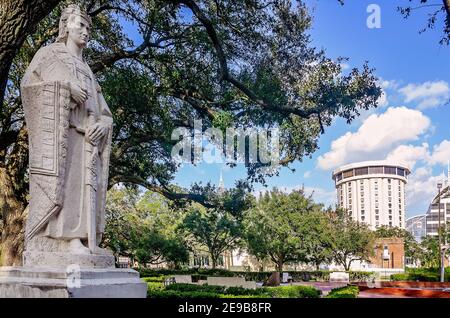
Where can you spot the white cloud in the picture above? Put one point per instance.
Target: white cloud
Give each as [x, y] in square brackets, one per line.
[428, 94]
[441, 153]
[307, 174]
[421, 187]
[410, 154]
[386, 84]
[376, 137]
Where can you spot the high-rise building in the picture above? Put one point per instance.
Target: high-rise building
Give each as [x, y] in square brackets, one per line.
[432, 216]
[417, 225]
[373, 192]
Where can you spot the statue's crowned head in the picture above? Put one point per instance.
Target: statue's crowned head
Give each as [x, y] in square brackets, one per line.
[74, 19]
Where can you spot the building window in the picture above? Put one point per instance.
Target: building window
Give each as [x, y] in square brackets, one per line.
[377, 217]
[389, 180]
[348, 174]
[363, 218]
[390, 170]
[376, 211]
[361, 171]
[390, 217]
[390, 224]
[390, 205]
[378, 170]
[362, 211]
[390, 211]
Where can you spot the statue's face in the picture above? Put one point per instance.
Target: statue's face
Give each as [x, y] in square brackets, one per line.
[79, 30]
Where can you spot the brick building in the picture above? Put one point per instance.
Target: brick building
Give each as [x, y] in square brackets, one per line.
[389, 253]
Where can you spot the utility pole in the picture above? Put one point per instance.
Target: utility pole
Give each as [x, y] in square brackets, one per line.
[441, 254]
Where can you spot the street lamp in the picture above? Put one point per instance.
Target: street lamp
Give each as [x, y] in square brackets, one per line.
[442, 247]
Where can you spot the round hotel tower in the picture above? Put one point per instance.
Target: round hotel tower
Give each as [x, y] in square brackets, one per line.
[373, 192]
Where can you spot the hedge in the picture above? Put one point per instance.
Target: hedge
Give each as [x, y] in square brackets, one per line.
[422, 275]
[297, 276]
[293, 292]
[344, 292]
[206, 291]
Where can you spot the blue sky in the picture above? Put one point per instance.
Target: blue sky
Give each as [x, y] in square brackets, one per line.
[412, 123]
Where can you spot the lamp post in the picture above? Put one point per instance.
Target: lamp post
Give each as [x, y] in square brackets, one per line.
[441, 251]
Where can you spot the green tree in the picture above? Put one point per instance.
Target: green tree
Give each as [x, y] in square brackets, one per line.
[430, 256]
[276, 227]
[143, 228]
[219, 229]
[351, 240]
[227, 62]
[318, 238]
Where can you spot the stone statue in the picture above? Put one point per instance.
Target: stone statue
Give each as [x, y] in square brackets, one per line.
[70, 129]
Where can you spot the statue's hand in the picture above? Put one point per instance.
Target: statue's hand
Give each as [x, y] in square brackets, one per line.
[78, 93]
[96, 132]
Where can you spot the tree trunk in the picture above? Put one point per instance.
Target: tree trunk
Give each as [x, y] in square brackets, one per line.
[214, 261]
[447, 6]
[347, 265]
[279, 266]
[18, 18]
[13, 214]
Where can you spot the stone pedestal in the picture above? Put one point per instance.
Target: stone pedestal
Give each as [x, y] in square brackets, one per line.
[64, 259]
[71, 282]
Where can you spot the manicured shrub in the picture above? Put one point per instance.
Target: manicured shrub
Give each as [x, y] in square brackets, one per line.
[293, 292]
[178, 294]
[155, 279]
[196, 288]
[357, 276]
[344, 292]
[399, 277]
[240, 291]
[157, 290]
[422, 275]
[297, 276]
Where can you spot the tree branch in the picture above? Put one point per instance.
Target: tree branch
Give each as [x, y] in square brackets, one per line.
[224, 71]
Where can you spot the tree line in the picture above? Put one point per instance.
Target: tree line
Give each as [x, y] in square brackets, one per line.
[231, 63]
[277, 227]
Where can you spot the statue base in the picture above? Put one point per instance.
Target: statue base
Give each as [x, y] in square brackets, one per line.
[63, 259]
[73, 282]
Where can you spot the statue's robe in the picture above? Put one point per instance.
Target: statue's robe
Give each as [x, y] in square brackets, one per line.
[63, 164]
